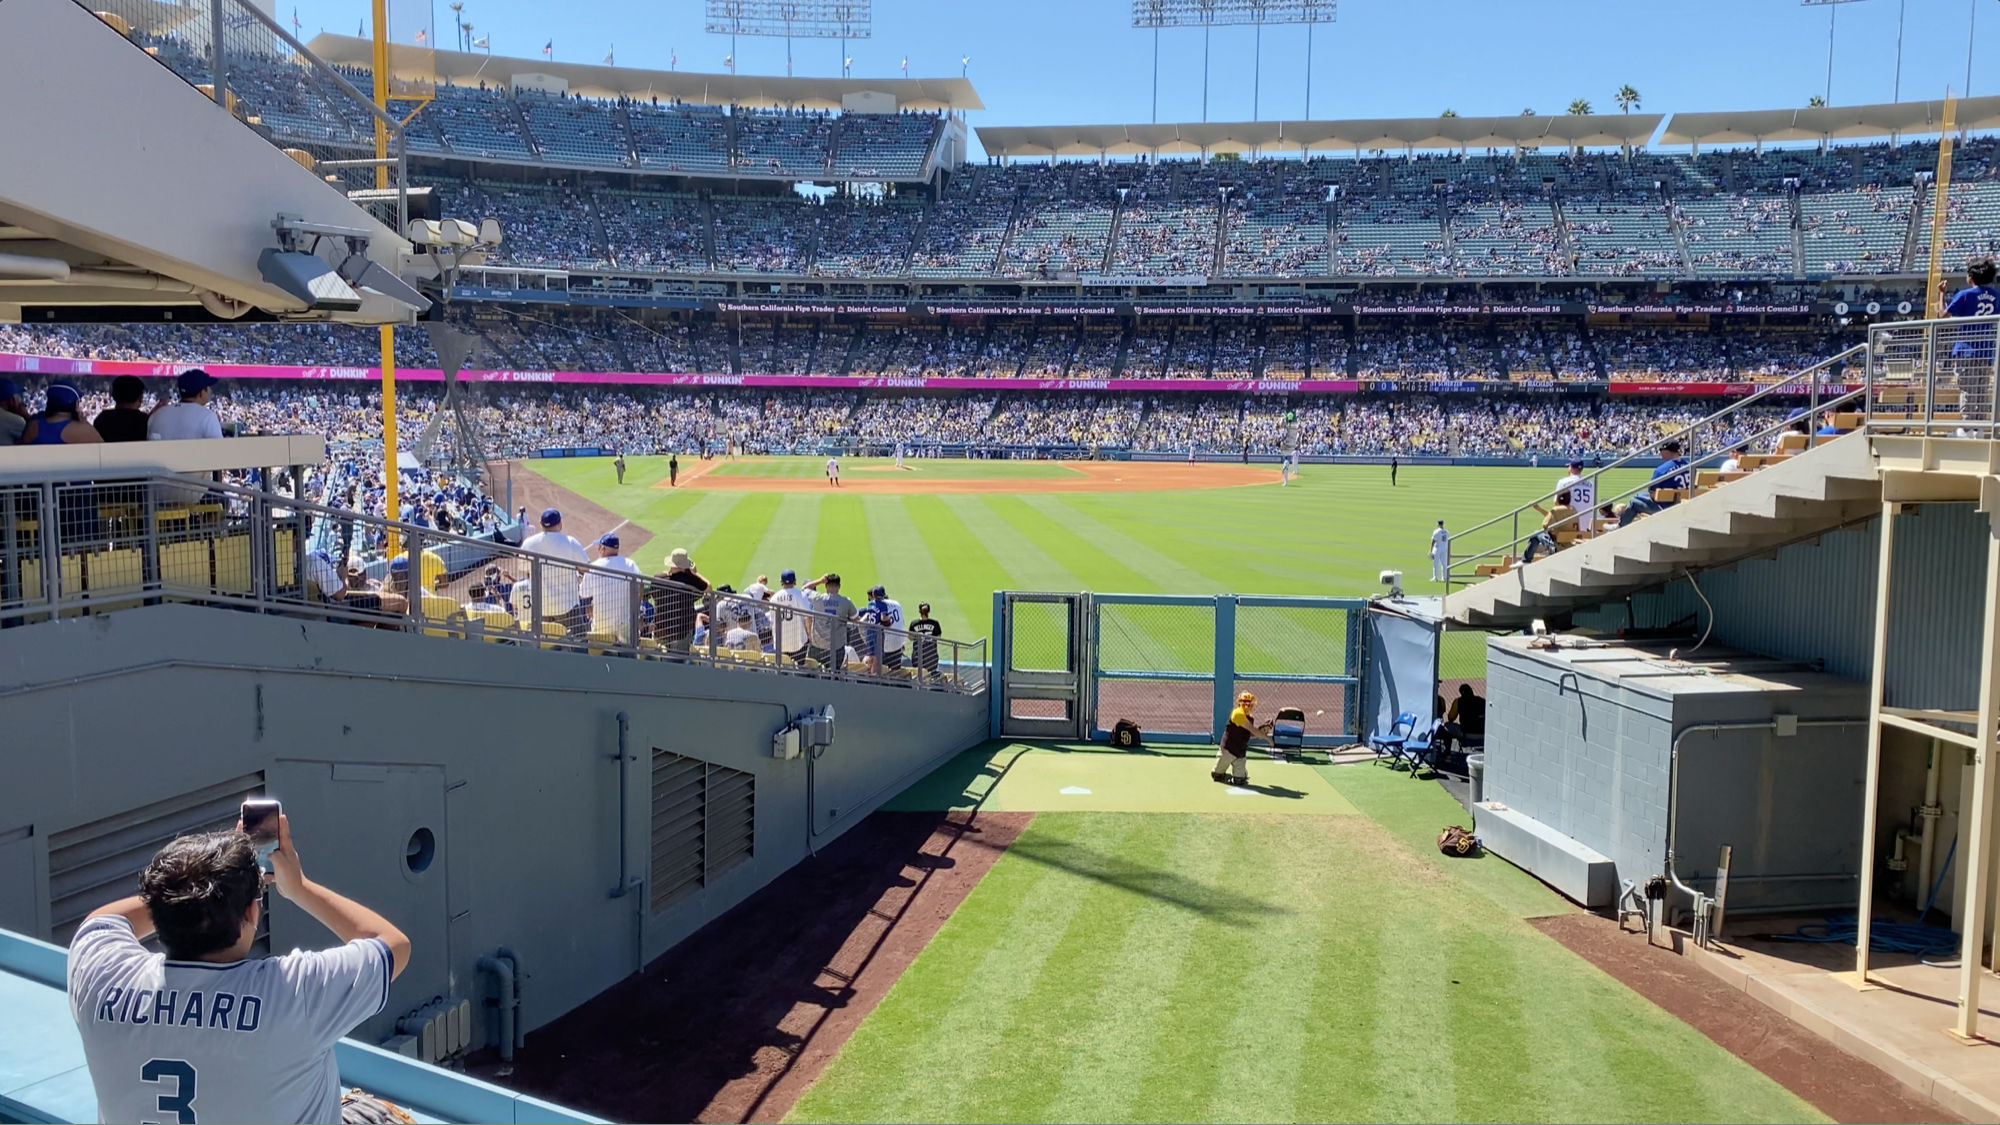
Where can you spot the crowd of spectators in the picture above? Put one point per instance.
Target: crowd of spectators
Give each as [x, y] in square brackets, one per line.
[520, 420]
[1225, 348]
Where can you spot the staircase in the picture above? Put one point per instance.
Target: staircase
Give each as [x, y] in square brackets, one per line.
[1007, 237]
[1797, 217]
[1679, 231]
[1111, 240]
[527, 134]
[1799, 498]
[1568, 236]
[708, 227]
[1216, 268]
[1914, 233]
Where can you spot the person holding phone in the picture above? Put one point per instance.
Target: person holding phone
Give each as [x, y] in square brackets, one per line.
[206, 1032]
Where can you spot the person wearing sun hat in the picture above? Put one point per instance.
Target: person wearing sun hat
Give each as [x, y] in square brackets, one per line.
[61, 420]
[1232, 760]
[674, 603]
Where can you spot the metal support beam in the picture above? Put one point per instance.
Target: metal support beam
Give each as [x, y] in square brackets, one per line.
[1871, 800]
[1977, 833]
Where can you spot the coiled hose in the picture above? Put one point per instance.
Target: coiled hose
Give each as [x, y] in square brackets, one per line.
[1913, 938]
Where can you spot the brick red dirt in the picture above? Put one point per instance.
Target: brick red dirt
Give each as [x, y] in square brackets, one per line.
[1836, 1083]
[582, 518]
[738, 1020]
[1091, 476]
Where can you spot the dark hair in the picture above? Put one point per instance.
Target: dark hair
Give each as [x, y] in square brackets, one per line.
[475, 591]
[1562, 498]
[197, 889]
[1981, 271]
[127, 388]
[1671, 447]
[1464, 688]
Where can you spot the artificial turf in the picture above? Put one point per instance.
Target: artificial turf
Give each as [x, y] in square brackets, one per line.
[1176, 966]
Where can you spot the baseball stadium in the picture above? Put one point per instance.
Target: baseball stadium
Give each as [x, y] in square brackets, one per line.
[786, 592]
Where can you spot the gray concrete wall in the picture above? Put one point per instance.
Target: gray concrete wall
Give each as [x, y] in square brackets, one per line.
[1592, 757]
[506, 754]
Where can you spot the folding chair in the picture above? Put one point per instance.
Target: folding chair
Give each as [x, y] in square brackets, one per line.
[1388, 746]
[1420, 752]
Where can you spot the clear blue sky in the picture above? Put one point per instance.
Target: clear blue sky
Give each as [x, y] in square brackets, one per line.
[1081, 61]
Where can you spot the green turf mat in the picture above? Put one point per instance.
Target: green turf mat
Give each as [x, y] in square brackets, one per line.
[1208, 967]
[1019, 777]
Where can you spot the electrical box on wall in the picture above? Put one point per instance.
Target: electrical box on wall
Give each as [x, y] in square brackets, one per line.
[785, 744]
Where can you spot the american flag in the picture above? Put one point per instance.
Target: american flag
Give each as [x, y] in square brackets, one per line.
[422, 36]
[549, 49]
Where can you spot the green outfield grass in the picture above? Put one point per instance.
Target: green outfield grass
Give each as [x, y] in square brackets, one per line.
[1203, 966]
[1330, 533]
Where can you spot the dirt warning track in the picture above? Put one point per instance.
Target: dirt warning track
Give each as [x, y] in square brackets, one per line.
[1089, 476]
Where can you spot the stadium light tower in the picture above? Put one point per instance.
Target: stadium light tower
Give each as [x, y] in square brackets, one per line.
[1833, 13]
[1206, 14]
[809, 19]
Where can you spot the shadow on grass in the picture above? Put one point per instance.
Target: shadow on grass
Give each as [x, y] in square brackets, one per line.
[1225, 906]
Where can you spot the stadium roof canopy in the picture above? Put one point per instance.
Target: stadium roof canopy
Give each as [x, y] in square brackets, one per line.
[1299, 136]
[469, 68]
[1904, 119]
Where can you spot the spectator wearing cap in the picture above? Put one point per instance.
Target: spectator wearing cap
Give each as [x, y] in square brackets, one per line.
[789, 628]
[890, 613]
[123, 421]
[674, 602]
[556, 587]
[13, 413]
[190, 418]
[924, 632]
[60, 422]
[829, 632]
[611, 587]
[1670, 473]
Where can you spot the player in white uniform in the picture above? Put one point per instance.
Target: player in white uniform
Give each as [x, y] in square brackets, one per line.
[899, 454]
[833, 471]
[205, 1032]
[1440, 553]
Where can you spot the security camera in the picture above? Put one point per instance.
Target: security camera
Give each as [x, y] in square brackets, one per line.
[1394, 580]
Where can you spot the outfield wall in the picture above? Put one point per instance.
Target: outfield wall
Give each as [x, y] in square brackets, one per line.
[473, 793]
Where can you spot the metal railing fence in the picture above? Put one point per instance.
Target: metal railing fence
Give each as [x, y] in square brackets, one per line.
[74, 548]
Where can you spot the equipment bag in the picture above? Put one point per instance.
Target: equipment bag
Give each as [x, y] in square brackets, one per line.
[1125, 734]
[1456, 841]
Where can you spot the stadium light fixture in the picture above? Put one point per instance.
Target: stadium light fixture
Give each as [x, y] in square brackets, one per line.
[1833, 13]
[804, 19]
[1206, 14]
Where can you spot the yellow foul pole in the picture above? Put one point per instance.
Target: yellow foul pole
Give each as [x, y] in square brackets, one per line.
[392, 482]
[1940, 211]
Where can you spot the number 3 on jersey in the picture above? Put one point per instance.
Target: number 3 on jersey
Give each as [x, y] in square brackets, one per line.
[176, 1108]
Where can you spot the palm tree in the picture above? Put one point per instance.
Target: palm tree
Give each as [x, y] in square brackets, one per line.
[1580, 108]
[1449, 113]
[1627, 98]
[1815, 102]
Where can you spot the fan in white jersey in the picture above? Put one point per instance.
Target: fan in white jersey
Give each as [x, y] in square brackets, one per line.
[206, 1032]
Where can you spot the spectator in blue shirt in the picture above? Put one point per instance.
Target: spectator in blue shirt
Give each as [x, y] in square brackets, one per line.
[1980, 297]
[1671, 472]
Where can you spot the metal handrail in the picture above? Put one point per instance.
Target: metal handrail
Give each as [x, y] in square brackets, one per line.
[143, 569]
[1678, 437]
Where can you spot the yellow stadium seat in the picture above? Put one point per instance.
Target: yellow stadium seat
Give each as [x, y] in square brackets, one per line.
[118, 571]
[489, 624]
[437, 608]
[283, 546]
[185, 565]
[232, 564]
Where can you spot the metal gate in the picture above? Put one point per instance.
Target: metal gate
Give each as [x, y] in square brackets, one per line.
[1072, 665]
[1039, 640]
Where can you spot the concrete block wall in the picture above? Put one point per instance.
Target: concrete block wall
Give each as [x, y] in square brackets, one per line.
[1586, 758]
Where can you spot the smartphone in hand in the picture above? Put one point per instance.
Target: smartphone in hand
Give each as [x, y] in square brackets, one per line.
[260, 823]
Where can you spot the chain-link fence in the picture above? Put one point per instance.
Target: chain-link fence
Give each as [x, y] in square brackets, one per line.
[1039, 640]
[1282, 650]
[1461, 661]
[1156, 663]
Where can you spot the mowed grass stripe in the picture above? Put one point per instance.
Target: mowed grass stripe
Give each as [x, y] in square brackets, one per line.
[904, 563]
[1030, 566]
[729, 551]
[970, 569]
[788, 541]
[1054, 1020]
[844, 547]
[1104, 1075]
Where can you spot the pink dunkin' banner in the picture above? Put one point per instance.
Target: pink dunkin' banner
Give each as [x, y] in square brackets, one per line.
[106, 368]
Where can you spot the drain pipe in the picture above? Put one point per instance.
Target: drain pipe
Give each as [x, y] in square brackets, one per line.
[1674, 789]
[1929, 813]
[520, 977]
[624, 757]
[508, 1001]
